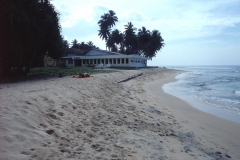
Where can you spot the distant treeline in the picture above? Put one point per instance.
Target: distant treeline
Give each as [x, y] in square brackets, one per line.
[83, 45]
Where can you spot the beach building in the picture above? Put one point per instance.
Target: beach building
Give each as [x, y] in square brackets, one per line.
[96, 57]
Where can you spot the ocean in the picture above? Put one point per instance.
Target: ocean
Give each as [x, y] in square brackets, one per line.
[212, 89]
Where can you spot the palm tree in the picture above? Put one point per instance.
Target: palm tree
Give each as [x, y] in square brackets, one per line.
[112, 18]
[90, 43]
[65, 44]
[143, 35]
[155, 44]
[75, 44]
[105, 29]
[129, 28]
[115, 40]
[105, 23]
[82, 45]
[108, 19]
[143, 40]
[117, 36]
[130, 39]
[109, 42]
[104, 33]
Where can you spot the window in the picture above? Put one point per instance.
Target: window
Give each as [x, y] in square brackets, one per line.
[123, 61]
[102, 61]
[114, 61]
[95, 61]
[118, 61]
[70, 61]
[110, 61]
[83, 61]
[106, 61]
[99, 61]
[126, 60]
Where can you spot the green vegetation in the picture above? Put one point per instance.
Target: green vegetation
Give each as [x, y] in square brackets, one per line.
[67, 71]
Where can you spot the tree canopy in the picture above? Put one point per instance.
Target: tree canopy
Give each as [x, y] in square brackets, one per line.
[132, 41]
[105, 23]
[83, 45]
[28, 29]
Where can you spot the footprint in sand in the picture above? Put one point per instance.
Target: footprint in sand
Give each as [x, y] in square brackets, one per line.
[50, 131]
[97, 147]
[52, 116]
[60, 114]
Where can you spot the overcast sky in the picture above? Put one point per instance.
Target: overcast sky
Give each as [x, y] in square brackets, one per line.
[195, 32]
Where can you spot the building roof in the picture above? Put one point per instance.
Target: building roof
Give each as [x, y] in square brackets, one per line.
[97, 53]
[75, 51]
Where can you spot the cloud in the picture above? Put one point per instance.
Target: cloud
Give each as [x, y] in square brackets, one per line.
[193, 23]
[190, 19]
[132, 15]
[80, 29]
[72, 12]
[98, 11]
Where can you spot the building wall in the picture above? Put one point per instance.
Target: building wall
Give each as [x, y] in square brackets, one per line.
[98, 53]
[114, 62]
[68, 61]
[96, 57]
[138, 63]
[119, 62]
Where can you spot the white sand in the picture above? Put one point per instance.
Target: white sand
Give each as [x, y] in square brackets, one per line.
[98, 118]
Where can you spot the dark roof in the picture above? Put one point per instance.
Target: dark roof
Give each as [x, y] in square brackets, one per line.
[105, 51]
[78, 52]
[81, 52]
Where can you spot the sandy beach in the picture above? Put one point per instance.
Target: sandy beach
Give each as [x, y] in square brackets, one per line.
[99, 118]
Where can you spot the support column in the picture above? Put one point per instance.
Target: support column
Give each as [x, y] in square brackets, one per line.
[73, 62]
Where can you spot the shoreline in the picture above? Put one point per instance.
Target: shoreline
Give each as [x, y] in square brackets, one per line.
[218, 130]
[225, 112]
[97, 117]
[205, 107]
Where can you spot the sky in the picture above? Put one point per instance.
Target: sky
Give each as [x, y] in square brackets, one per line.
[195, 32]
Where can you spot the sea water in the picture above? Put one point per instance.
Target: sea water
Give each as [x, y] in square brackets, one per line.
[212, 89]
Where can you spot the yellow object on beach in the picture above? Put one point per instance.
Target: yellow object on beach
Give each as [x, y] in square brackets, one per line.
[82, 75]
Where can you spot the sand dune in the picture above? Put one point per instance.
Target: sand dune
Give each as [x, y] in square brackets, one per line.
[99, 118]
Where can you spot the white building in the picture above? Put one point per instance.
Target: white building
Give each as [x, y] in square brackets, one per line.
[94, 57]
